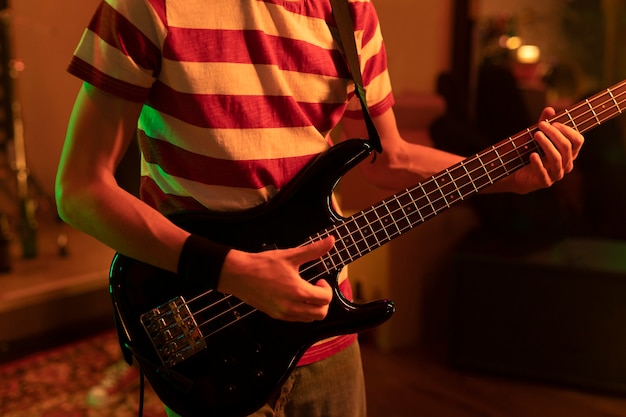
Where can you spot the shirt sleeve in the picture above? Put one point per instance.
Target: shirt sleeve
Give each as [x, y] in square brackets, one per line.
[119, 50]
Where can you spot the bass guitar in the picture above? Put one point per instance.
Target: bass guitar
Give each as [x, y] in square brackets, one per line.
[209, 354]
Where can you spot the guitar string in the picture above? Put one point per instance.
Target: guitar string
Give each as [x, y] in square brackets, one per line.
[441, 195]
[591, 113]
[595, 115]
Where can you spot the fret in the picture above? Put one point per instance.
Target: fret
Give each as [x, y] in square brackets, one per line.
[382, 214]
[477, 173]
[490, 160]
[379, 232]
[347, 240]
[462, 181]
[337, 261]
[579, 113]
[525, 144]
[587, 124]
[415, 203]
[403, 222]
[516, 148]
[520, 150]
[499, 156]
[572, 120]
[593, 111]
[584, 118]
[564, 118]
[397, 222]
[508, 153]
[423, 203]
[363, 239]
[342, 251]
[421, 200]
[468, 176]
[531, 134]
[367, 230]
[605, 106]
[439, 183]
[434, 195]
[449, 189]
[328, 262]
[347, 243]
[614, 100]
[410, 209]
[599, 106]
[484, 167]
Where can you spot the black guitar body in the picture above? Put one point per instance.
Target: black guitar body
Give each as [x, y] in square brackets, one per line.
[247, 354]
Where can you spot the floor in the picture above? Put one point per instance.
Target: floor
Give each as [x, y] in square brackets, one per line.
[60, 294]
[411, 383]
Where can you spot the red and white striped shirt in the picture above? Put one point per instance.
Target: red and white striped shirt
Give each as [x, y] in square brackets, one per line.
[239, 94]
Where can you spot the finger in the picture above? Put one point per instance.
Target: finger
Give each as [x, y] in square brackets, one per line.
[547, 113]
[541, 172]
[552, 157]
[311, 251]
[574, 136]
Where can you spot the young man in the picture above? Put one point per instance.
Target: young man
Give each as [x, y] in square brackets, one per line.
[229, 100]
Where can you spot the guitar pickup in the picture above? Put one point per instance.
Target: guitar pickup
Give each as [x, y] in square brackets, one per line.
[173, 331]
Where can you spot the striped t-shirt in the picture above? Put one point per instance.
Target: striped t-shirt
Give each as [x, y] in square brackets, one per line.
[239, 94]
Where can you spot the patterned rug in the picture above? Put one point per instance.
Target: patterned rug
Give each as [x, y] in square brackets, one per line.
[55, 383]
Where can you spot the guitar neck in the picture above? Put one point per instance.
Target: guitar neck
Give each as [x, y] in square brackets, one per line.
[369, 229]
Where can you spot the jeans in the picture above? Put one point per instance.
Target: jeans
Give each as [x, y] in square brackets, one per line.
[333, 387]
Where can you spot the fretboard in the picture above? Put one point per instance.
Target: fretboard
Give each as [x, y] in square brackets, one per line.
[369, 229]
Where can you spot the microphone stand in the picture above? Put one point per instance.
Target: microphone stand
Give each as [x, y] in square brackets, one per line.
[11, 105]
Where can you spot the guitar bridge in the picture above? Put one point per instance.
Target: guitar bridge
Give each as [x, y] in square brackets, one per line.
[173, 331]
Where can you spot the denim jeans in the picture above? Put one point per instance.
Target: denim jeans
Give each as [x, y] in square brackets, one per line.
[333, 387]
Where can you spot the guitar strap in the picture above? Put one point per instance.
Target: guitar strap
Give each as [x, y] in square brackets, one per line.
[345, 26]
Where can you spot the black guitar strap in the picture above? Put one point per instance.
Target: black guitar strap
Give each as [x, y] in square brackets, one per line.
[345, 25]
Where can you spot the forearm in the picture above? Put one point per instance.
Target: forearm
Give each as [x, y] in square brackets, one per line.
[122, 222]
[406, 165]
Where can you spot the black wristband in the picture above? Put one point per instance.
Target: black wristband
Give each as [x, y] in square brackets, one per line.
[201, 261]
